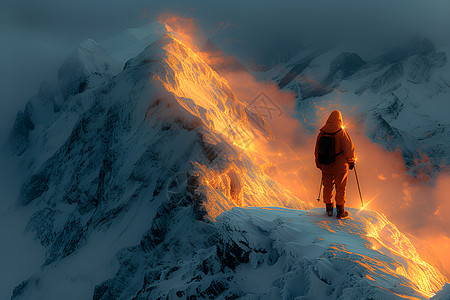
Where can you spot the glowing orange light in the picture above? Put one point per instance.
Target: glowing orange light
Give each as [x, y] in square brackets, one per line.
[192, 71]
[365, 205]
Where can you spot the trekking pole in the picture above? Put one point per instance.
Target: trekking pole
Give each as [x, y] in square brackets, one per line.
[320, 190]
[359, 189]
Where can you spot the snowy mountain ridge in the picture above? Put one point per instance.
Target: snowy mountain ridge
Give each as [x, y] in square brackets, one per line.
[132, 177]
[400, 96]
[273, 253]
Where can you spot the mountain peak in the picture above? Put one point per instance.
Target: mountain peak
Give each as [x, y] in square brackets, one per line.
[87, 66]
[151, 164]
[182, 71]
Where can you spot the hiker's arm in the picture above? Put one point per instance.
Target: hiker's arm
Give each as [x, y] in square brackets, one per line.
[349, 149]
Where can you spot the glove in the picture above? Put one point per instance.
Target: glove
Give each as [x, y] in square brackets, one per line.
[351, 166]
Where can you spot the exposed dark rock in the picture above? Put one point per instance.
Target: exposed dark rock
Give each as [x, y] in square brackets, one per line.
[231, 254]
[37, 185]
[67, 241]
[214, 289]
[19, 136]
[42, 223]
[345, 65]
[22, 288]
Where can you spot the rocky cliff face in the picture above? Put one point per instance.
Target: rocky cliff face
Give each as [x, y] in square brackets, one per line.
[161, 139]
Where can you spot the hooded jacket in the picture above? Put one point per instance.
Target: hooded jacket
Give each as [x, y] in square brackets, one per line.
[343, 143]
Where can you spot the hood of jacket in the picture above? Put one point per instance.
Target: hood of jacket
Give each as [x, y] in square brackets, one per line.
[334, 122]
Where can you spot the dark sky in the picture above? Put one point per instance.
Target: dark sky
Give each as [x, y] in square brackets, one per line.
[37, 35]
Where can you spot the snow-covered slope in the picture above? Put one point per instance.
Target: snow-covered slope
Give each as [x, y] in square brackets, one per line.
[130, 182]
[273, 253]
[165, 132]
[49, 116]
[401, 96]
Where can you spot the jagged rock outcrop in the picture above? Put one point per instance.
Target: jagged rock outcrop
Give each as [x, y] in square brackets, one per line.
[88, 65]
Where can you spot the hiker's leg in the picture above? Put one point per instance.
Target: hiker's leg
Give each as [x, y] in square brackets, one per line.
[341, 185]
[327, 187]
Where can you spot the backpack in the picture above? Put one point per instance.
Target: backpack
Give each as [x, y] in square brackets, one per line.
[326, 154]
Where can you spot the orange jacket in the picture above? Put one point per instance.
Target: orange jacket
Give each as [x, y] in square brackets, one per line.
[343, 142]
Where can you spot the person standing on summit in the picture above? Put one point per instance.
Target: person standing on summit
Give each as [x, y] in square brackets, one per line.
[334, 155]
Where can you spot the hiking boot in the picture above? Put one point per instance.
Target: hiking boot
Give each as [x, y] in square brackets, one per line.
[329, 209]
[341, 212]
